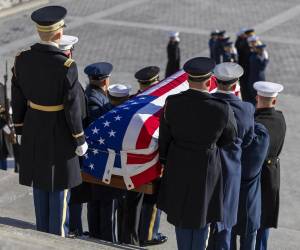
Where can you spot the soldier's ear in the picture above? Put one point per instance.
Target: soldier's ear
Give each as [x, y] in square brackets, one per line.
[274, 101]
[233, 87]
[208, 83]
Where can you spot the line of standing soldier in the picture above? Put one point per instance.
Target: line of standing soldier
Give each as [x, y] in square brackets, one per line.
[227, 164]
[248, 51]
[49, 113]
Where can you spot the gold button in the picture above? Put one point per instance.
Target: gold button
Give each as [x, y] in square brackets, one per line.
[269, 161]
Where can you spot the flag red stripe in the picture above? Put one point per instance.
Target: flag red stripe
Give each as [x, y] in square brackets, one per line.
[147, 131]
[140, 159]
[147, 176]
[171, 85]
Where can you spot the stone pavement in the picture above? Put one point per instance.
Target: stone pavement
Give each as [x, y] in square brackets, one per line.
[132, 34]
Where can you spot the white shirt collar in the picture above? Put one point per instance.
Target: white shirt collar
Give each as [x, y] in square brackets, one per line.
[201, 90]
[50, 43]
[225, 92]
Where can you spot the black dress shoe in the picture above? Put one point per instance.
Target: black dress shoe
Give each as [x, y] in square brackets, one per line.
[159, 240]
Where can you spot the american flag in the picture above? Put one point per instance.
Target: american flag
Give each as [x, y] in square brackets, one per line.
[124, 141]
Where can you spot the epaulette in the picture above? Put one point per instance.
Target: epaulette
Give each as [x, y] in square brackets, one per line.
[69, 62]
[18, 54]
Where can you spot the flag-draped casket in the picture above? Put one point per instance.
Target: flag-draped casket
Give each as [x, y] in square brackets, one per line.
[124, 141]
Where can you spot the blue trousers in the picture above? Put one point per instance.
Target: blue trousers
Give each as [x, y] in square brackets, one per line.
[247, 242]
[262, 239]
[75, 218]
[3, 164]
[51, 211]
[191, 239]
[219, 240]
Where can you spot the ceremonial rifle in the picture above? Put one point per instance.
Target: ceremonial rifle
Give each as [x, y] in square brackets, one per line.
[8, 115]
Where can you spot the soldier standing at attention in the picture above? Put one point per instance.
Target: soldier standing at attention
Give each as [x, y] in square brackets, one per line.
[227, 75]
[212, 42]
[191, 192]
[47, 115]
[67, 44]
[274, 121]
[173, 52]
[142, 218]
[230, 54]
[243, 50]
[101, 220]
[146, 77]
[258, 63]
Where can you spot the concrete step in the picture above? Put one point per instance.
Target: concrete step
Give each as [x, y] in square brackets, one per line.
[13, 238]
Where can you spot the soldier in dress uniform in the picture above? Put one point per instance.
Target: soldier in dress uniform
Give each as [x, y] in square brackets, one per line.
[227, 75]
[47, 113]
[244, 51]
[274, 121]
[146, 77]
[101, 221]
[173, 52]
[118, 93]
[219, 46]
[4, 131]
[212, 42]
[230, 54]
[67, 44]
[142, 220]
[191, 192]
[250, 192]
[258, 62]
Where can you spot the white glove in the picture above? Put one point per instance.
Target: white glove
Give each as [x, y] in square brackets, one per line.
[19, 139]
[265, 54]
[81, 150]
[6, 129]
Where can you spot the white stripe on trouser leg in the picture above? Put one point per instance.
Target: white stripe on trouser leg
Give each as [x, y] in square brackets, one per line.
[208, 234]
[64, 213]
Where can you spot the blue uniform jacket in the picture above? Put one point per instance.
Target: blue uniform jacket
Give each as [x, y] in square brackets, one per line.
[211, 45]
[257, 68]
[231, 157]
[98, 102]
[253, 157]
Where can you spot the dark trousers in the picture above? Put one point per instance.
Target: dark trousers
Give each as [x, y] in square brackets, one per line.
[149, 222]
[75, 220]
[262, 239]
[3, 164]
[247, 241]
[131, 218]
[103, 219]
[51, 211]
[219, 240]
[191, 239]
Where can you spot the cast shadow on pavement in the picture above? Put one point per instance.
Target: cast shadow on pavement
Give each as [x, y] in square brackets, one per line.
[110, 244]
[16, 223]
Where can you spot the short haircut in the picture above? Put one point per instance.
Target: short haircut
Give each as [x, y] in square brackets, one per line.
[48, 36]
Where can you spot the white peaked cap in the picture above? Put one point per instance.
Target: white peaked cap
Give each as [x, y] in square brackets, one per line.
[241, 31]
[67, 42]
[174, 34]
[228, 71]
[267, 89]
[119, 90]
[253, 38]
